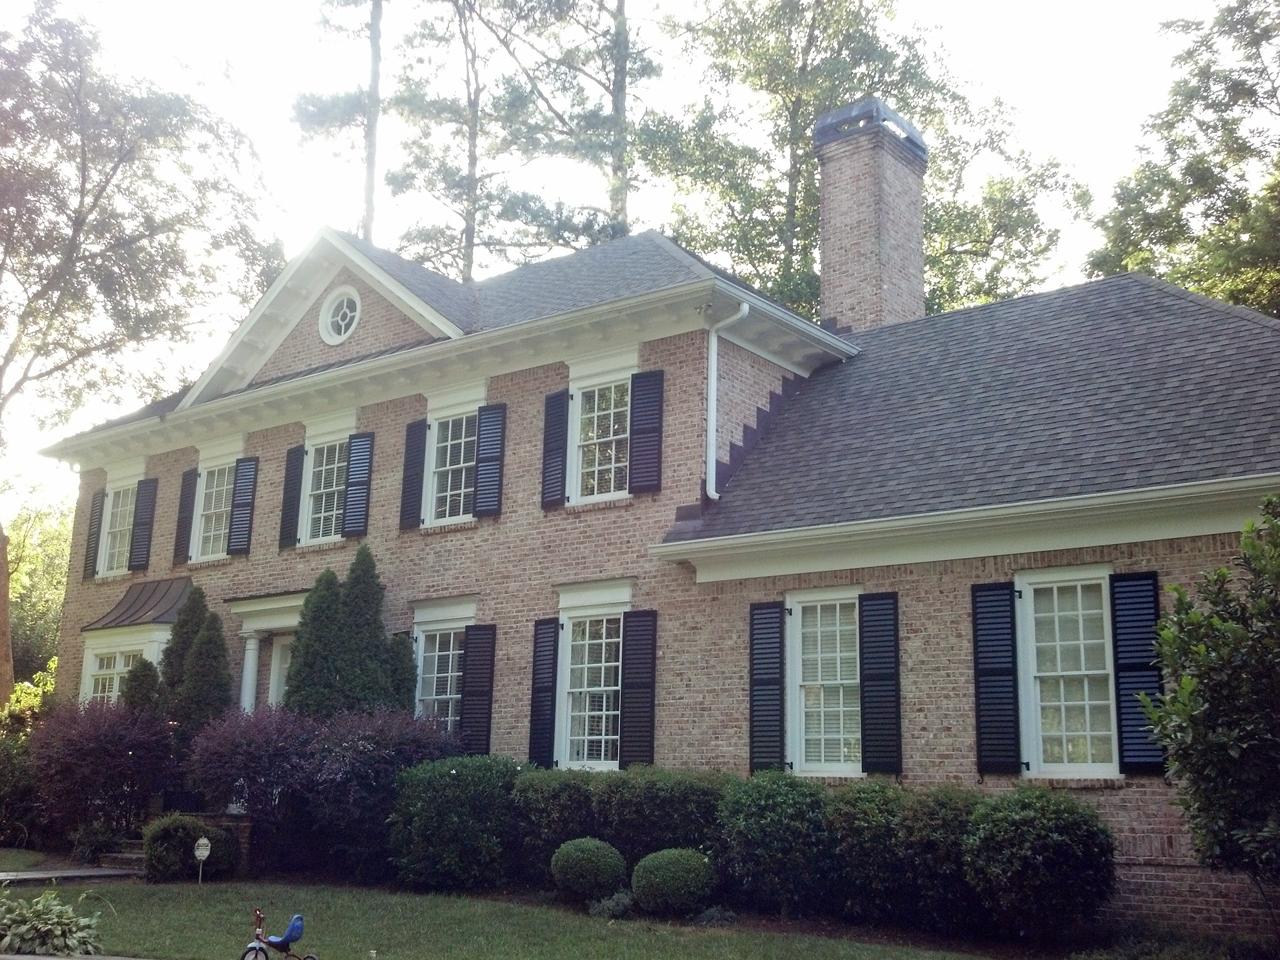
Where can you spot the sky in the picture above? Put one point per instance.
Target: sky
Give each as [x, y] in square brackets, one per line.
[1080, 78]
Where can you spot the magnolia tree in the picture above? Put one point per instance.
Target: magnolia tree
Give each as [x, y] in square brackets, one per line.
[1219, 721]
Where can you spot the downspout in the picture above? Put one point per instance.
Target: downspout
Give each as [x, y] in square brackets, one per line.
[713, 371]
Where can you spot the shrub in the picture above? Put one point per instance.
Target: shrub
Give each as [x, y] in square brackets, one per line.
[98, 763]
[1039, 861]
[90, 841]
[46, 925]
[452, 826]
[351, 782]
[1170, 949]
[617, 907]
[553, 806]
[173, 661]
[864, 819]
[932, 829]
[673, 882]
[205, 693]
[140, 688]
[260, 761]
[775, 844]
[644, 809]
[588, 869]
[17, 793]
[168, 849]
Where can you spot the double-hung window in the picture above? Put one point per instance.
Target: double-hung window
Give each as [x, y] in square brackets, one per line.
[117, 530]
[1065, 682]
[824, 693]
[213, 511]
[599, 435]
[326, 488]
[451, 467]
[440, 673]
[108, 671]
[594, 690]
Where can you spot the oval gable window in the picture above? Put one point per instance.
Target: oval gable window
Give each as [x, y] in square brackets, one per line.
[339, 315]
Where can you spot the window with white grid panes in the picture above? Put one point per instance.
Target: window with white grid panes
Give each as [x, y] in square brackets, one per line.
[453, 468]
[594, 691]
[328, 484]
[440, 675]
[109, 672]
[117, 531]
[1071, 684]
[215, 511]
[828, 685]
[603, 446]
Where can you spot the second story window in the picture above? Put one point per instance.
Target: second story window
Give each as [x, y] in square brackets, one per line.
[452, 465]
[326, 486]
[214, 518]
[117, 530]
[600, 432]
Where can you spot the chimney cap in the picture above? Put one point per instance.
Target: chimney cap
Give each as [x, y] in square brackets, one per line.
[868, 113]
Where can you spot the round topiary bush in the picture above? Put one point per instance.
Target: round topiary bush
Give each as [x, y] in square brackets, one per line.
[588, 869]
[1039, 861]
[672, 882]
[168, 849]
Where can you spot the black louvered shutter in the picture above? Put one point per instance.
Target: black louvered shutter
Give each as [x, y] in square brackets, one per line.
[878, 674]
[555, 449]
[415, 465]
[186, 516]
[476, 687]
[766, 727]
[645, 471]
[639, 669]
[94, 535]
[291, 503]
[355, 499]
[144, 518]
[542, 700]
[995, 678]
[1135, 609]
[244, 490]
[491, 441]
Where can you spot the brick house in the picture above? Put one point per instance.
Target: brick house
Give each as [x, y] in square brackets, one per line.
[667, 521]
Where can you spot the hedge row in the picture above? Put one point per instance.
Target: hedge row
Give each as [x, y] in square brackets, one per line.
[1026, 862]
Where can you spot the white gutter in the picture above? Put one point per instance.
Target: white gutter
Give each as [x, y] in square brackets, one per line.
[713, 380]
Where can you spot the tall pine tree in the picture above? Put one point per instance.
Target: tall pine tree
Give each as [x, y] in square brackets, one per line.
[191, 617]
[205, 693]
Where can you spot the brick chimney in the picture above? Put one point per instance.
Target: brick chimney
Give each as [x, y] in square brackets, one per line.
[870, 216]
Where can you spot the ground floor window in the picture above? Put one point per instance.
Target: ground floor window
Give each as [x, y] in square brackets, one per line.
[440, 674]
[594, 690]
[107, 673]
[823, 689]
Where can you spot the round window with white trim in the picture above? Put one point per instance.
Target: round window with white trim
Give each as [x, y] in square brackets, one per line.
[339, 315]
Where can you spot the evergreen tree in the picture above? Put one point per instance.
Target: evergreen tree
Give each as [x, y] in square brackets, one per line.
[315, 684]
[205, 692]
[403, 672]
[140, 688]
[191, 617]
[366, 648]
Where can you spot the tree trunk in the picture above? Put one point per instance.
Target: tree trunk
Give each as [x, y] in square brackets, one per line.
[373, 107]
[471, 201]
[6, 631]
[619, 178]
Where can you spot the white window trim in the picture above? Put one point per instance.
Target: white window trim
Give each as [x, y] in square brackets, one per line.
[279, 675]
[326, 332]
[1028, 711]
[573, 466]
[600, 598]
[434, 626]
[318, 433]
[110, 494]
[461, 401]
[150, 639]
[791, 695]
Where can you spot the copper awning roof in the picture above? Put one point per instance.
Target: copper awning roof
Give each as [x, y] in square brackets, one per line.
[156, 601]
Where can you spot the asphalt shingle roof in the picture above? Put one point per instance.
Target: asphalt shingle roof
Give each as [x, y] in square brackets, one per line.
[1113, 385]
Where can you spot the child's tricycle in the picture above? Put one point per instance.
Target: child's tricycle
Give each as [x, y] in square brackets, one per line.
[257, 950]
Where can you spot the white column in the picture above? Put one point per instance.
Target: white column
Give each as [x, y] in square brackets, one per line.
[249, 678]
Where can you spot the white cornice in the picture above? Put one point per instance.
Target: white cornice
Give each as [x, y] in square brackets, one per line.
[1153, 513]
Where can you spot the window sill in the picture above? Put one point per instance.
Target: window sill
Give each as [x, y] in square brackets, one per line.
[830, 778]
[435, 529]
[205, 562]
[117, 575]
[586, 506]
[1116, 782]
[319, 546]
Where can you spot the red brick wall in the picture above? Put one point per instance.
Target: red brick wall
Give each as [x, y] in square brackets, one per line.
[743, 383]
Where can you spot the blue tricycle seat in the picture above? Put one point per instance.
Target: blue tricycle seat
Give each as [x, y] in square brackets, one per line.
[291, 935]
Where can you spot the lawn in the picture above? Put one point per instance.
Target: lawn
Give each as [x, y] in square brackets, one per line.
[214, 922]
[14, 859]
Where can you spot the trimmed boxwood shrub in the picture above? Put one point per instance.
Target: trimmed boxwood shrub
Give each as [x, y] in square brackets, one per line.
[168, 849]
[775, 844]
[588, 869]
[453, 824]
[673, 882]
[931, 834]
[1039, 861]
[864, 819]
[553, 806]
[645, 809]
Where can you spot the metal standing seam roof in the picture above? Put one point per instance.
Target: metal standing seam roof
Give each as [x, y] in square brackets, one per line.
[156, 601]
[1119, 384]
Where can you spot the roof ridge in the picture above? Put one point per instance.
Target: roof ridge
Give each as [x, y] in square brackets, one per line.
[1244, 313]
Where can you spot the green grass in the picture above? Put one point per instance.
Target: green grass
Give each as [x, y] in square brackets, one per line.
[13, 859]
[214, 922]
